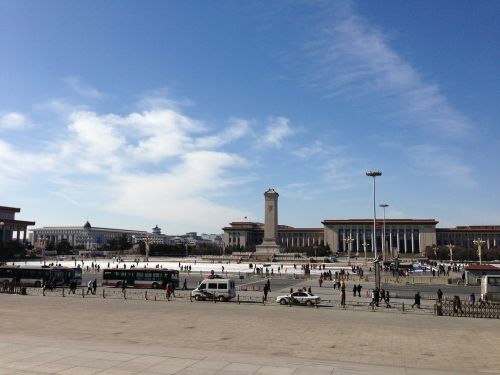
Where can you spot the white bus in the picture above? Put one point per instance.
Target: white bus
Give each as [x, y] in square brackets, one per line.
[37, 276]
[140, 277]
[490, 288]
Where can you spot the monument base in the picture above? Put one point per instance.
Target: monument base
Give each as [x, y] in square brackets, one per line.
[266, 251]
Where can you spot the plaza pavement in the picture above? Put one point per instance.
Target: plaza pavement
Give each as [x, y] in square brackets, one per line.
[116, 336]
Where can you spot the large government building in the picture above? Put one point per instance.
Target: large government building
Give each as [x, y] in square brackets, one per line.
[401, 235]
[89, 237]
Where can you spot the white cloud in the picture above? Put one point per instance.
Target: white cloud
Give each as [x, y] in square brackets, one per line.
[277, 129]
[237, 129]
[156, 164]
[182, 196]
[13, 121]
[83, 89]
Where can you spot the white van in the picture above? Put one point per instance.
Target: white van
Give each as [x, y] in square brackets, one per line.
[221, 289]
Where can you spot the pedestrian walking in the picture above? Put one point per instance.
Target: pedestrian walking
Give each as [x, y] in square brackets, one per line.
[94, 286]
[387, 299]
[266, 291]
[354, 290]
[440, 295]
[457, 305]
[184, 285]
[359, 290]
[417, 300]
[376, 293]
[472, 298]
[89, 286]
[168, 291]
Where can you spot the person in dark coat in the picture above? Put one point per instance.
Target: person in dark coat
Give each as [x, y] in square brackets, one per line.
[417, 300]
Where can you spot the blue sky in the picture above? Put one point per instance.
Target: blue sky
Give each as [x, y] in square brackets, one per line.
[181, 114]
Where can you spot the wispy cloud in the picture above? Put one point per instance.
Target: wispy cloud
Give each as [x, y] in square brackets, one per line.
[352, 58]
[435, 161]
[82, 89]
[277, 129]
[13, 121]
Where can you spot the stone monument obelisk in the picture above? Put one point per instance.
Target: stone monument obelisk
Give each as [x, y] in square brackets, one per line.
[269, 247]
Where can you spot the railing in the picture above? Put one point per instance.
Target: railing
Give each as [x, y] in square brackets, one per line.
[468, 309]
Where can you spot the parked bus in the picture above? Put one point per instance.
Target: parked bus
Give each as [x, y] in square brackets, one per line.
[140, 277]
[37, 276]
[490, 288]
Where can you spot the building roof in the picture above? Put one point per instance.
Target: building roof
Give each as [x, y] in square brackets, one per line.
[9, 209]
[481, 267]
[12, 221]
[93, 229]
[379, 220]
[471, 228]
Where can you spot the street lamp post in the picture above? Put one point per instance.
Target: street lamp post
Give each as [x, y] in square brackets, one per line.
[364, 247]
[349, 242]
[435, 248]
[44, 244]
[479, 242]
[384, 206]
[147, 249]
[374, 174]
[451, 247]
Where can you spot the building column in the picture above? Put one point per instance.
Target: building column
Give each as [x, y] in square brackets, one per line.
[397, 239]
[412, 241]
[357, 240]
[406, 241]
[488, 242]
[343, 239]
[24, 234]
[18, 236]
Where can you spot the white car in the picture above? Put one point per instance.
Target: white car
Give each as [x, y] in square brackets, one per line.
[302, 298]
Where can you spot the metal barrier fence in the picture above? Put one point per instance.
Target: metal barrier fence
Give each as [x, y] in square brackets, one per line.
[443, 308]
[467, 309]
[183, 296]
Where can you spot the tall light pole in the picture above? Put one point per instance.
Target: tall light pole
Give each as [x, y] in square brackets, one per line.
[479, 242]
[364, 247]
[44, 245]
[147, 249]
[374, 174]
[349, 242]
[384, 206]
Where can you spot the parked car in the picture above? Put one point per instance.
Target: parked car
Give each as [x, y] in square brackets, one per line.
[209, 289]
[300, 298]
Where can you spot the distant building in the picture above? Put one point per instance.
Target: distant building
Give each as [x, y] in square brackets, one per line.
[405, 236]
[86, 236]
[401, 235]
[156, 237]
[10, 226]
[464, 236]
[249, 234]
[474, 272]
